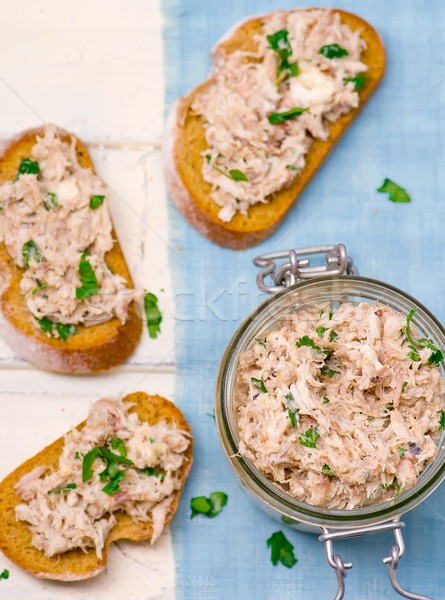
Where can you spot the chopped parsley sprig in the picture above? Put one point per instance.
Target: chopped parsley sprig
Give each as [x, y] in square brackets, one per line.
[30, 251]
[435, 357]
[309, 438]
[28, 166]
[152, 314]
[259, 384]
[234, 174]
[333, 51]
[281, 550]
[279, 42]
[63, 490]
[87, 278]
[275, 118]
[396, 193]
[210, 507]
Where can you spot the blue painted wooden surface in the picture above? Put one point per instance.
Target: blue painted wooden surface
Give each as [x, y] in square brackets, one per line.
[400, 135]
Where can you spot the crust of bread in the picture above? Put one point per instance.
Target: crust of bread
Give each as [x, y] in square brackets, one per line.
[185, 142]
[75, 565]
[92, 349]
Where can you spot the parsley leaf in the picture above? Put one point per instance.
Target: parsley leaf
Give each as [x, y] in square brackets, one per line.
[401, 452]
[442, 420]
[88, 461]
[4, 574]
[394, 484]
[326, 470]
[30, 251]
[113, 486]
[234, 174]
[40, 286]
[414, 356]
[280, 43]
[52, 201]
[96, 201]
[152, 472]
[28, 166]
[63, 490]
[46, 325]
[208, 506]
[118, 444]
[281, 550]
[331, 314]
[320, 331]
[259, 383]
[405, 383]
[333, 51]
[327, 371]
[87, 279]
[65, 330]
[262, 342]
[396, 193]
[332, 335]
[309, 438]
[294, 416]
[358, 81]
[152, 314]
[325, 399]
[276, 118]
[307, 341]
[436, 358]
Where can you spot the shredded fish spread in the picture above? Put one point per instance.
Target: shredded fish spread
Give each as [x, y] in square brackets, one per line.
[311, 66]
[55, 223]
[65, 512]
[338, 407]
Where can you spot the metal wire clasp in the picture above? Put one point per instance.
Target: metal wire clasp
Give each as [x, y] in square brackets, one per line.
[397, 551]
[337, 263]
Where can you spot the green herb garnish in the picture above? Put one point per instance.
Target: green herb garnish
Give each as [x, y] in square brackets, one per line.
[96, 201]
[46, 325]
[327, 371]
[259, 383]
[442, 420]
[325, 399]
[208, 506]
[40, 286]
[358, 81]
[435, 357]
[396, 193]
[276, 118]
[326, 470]
[331, 314]
[321, 330]
[118, 444]
[63, 490]
[208, 157]
[281, 550]
[65, 330]
[333, 51]
[279, 42]
[28, 166]
[152, 472]
[152, 314]
[292, 167]
[309, 438]
[294, 416]
[262, 342]
[332, 335]
[401, 452]
[307, 341]
[52, 201]
[405, 383]
[87, 277]
[414, 356]
[4, 574]
[31, 251]
[234, 174]
[394, 484]
[113, 486]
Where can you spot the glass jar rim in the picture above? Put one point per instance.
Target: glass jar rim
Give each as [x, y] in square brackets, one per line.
[270, 493]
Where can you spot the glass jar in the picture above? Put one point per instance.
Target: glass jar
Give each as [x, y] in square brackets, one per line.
[311, 292]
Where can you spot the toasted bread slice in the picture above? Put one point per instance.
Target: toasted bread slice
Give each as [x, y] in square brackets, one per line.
[95, 348]
[185, 142]
[15, 536]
